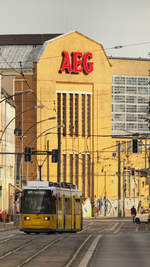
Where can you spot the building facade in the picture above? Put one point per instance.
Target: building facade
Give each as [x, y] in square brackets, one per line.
[90, 113]
[7, 144]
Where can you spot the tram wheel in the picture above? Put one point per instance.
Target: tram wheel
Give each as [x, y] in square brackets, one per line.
[27, 232]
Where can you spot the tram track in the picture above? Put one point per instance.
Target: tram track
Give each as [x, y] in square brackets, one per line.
[66, 249]
[16, 249]
[29, 259]
[78, 251]
[21, 255]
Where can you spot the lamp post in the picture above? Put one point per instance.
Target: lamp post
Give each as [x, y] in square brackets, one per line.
[44, 133]
[29, 91]
[20, 113]
[5, 98]
[34, 124]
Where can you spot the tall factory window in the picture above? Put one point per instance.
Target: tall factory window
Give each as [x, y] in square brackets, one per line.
[71, 115]
[123, 147]
[129, 146]
[88, 115]
[83, 115]
[83, 174]
[58, 110]
[88, 174]
[64, 167]
[76, 114]
[76, 170]
[117, 145]
[71, 168]
[64, 114]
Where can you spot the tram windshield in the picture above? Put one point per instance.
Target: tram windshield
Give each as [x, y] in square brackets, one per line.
[38, 201]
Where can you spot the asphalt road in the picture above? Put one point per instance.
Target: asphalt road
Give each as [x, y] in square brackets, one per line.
[104, 242]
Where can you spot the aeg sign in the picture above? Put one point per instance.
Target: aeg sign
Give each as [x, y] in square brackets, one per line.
[76, 63]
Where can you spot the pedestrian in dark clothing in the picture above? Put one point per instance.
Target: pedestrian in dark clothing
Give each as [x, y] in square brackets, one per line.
[133, 213]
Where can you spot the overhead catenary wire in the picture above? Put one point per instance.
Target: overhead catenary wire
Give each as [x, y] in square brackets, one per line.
[127, 45]
[22, 74]
[59, 56]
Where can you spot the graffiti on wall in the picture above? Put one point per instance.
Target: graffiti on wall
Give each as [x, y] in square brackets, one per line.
[87, 208]
[106, 207]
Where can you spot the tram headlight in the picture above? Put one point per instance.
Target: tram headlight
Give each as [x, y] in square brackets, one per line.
[26, 218]
[46, 218]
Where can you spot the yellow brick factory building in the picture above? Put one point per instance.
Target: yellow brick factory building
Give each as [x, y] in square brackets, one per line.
[87, 115]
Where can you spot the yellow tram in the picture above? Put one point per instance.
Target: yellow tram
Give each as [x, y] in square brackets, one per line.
[48, 207]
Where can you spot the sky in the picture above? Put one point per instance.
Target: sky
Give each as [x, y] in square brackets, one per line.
[113, 23]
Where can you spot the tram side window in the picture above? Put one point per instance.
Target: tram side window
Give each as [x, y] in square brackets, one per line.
[52, 206]
[77, 206]
[59, 205]
[68, 209]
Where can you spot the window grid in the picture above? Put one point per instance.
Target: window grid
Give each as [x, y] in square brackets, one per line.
[128, 97]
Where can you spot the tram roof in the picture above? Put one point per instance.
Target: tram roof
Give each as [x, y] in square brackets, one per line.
[62, 188]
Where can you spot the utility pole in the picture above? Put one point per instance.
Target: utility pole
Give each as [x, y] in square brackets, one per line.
[48, 161]
[40, 172]
[59, 137]
[59, 156]
[105, 204]
[119, 181]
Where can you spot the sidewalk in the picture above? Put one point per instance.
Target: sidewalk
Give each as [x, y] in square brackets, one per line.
[7, 226]
[127, 218]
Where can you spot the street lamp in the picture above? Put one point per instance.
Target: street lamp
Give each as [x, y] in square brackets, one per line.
[5, 98]
[34, 124]
[20, 113]
[29, 91]
[42, 134]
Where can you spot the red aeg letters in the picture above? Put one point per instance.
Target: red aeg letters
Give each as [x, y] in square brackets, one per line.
[78, 62]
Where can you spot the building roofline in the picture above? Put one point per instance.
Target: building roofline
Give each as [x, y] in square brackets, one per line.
[130, 58]
[26, 39]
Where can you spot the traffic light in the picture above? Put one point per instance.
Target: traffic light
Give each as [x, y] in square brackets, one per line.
[134, 146]
[27, 153]
[54, 155]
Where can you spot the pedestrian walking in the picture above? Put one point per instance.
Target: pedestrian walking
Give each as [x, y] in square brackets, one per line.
[133, 213]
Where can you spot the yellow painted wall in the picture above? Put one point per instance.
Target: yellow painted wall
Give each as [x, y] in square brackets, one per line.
[98, 83]
[47, 81]
[134, 67]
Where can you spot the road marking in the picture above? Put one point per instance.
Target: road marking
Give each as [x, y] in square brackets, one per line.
[114, 226]
[85, 228]
[89, 253]
[118, 229]
[78, 250]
